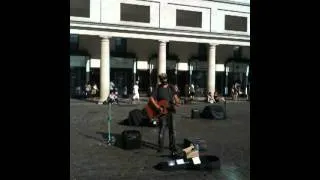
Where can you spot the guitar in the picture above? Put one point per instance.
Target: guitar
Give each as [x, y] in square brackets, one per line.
[153, 112]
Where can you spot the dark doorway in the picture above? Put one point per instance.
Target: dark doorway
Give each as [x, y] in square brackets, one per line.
[171, 76]
[143, 78]
[220, 82]
[95, 76]
[122, 78]
[77, 80]
[154, 78]
[183, 79]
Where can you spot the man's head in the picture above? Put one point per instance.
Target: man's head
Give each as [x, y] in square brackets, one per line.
[163, 78]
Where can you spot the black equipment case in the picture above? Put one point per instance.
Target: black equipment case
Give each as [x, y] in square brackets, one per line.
[131, 139]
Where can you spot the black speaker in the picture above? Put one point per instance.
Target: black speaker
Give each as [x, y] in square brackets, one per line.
[195, 113]
[213, 112]
[131, 139]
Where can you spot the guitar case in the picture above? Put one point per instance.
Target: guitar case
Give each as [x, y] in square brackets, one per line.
[208, 163]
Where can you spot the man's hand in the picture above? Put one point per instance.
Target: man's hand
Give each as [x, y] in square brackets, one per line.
[161, 109]
[176, 100]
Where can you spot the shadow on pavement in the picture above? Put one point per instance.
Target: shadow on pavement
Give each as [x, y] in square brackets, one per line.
[118, 138]
[144, 123]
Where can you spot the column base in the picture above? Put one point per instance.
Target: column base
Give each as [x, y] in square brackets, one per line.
[100, 102]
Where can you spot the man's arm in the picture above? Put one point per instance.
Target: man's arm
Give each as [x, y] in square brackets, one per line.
[153, 101]
[176, 99]
[153, 98]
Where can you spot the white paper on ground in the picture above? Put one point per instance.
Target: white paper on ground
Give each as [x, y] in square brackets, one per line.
[180, 161]
[196, 160]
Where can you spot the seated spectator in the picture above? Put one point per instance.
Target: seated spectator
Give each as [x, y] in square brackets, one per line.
[210, 98]
[218, 98]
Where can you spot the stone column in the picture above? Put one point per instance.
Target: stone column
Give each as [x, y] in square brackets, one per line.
[104, 69]
[226, 90]
[88, 70]
[162, 57]
[212, 68]
[247, 80]
[134, 71]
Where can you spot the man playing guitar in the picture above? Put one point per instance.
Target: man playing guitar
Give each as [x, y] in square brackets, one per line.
[164, 91]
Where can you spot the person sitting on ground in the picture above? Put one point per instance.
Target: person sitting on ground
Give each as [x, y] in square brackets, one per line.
[218, 98]
[210, 98]
[87, 89]
[113, 98]
[234, 93]
[94, 90]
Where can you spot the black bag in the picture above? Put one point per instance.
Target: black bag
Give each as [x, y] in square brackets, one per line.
[136, 117]
[213, 112]
[131, 139]
[195, 113]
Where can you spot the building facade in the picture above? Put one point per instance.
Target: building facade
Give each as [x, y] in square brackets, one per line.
[194, 41]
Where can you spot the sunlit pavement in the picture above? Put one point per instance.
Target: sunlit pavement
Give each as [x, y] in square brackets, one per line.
[91, 158]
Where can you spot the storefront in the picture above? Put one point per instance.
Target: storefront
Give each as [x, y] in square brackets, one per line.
[198, 71]
[121, 73]
[77, 74]
[237, 70]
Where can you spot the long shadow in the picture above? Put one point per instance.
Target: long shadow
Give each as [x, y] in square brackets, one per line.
[104, 138]
[118, 138]
[144, 123]
[91, 137]
[119, 141]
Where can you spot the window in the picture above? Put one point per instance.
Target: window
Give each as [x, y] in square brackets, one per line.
[74, 41]
[235, 23]
[135, 13]
[121, 45]
[168, 48]
[80, 8]
[188, 18]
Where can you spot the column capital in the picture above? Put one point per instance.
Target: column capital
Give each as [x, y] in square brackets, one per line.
[104, 37]
[163, 41]
[213, 44]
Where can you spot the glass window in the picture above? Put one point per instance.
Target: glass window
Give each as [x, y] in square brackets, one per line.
[188, 18]
[235, 23]
[135, 13]
[80, 8]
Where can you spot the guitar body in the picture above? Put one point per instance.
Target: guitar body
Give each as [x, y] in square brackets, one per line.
[152, 112]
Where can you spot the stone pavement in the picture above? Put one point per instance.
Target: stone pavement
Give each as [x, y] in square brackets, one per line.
[91, 158]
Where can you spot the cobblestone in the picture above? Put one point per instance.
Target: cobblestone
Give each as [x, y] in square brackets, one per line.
[91, 158]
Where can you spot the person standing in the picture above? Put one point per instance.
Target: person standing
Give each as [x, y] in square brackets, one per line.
[166, 92]
[136, 92]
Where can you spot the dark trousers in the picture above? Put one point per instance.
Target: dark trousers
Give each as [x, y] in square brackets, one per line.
[167, 121]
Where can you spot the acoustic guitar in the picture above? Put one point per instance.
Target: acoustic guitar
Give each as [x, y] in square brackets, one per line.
[153, 112]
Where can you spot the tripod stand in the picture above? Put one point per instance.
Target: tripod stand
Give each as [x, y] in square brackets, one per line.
[111, 139]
